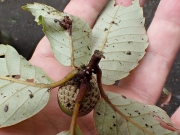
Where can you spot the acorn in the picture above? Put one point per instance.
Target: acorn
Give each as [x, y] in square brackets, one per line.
[67, 96]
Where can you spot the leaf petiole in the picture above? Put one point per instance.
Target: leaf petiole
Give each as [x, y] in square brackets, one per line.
[82, 91]
[42, 85]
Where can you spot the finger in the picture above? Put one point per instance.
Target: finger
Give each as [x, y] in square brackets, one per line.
[128, 2]
[175, 118]
[88, 10]
[147, 80]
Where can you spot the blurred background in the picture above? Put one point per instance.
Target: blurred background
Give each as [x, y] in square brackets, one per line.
[17, 28]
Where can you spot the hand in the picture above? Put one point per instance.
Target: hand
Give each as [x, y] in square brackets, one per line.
[145, 83]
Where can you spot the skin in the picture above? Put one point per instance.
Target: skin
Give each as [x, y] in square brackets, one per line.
[144, 84]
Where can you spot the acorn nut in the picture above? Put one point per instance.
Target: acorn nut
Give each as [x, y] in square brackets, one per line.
[67, 96]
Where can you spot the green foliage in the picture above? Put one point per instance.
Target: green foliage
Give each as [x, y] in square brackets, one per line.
[20, 101]
[68, 49]
[119, 32]
[131, 117]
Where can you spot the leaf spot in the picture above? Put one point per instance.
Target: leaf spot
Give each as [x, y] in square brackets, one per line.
[56, 20]
[113, 22]
[105, 29]
[128, 52]
[6, 108]
[123, 95]
[130, 42]
[31, 95]
[98, 113]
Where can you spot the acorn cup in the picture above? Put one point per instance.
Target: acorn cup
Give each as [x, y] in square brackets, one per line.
[67, 97]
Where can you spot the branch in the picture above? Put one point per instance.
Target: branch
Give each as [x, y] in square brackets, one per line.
[81, 93]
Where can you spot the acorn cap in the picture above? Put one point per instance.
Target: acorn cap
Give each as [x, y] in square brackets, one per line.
[67, 96]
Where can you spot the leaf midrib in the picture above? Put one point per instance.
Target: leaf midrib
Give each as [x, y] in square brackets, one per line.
[107, 33]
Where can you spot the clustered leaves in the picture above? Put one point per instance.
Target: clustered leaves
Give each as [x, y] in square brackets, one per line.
[119, 33]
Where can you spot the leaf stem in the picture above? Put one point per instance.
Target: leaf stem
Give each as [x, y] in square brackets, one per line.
[108, 31]
[104, 96]
[42, 85]
[82, 91]
[74, 119]
[72, 53]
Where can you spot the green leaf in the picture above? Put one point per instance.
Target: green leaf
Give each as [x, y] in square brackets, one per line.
[131, 117]
[69, 50]
[77, 131]
[119, 32]
[20, 101]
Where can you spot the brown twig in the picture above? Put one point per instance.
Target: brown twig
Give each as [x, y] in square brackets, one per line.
[82, 91]
[84, 76]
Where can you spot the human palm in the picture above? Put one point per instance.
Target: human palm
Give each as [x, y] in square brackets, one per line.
[143, 84]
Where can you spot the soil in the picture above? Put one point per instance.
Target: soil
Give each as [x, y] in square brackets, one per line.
[17, 28]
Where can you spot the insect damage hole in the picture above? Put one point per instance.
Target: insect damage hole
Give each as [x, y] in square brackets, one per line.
[2, 56]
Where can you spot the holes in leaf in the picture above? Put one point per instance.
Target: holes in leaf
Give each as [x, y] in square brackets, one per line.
[2, 56]
[14, 76]
[124, 3]
[165, 125]
[30, 80]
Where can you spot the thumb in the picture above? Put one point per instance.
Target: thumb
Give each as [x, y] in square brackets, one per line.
[175, 118]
